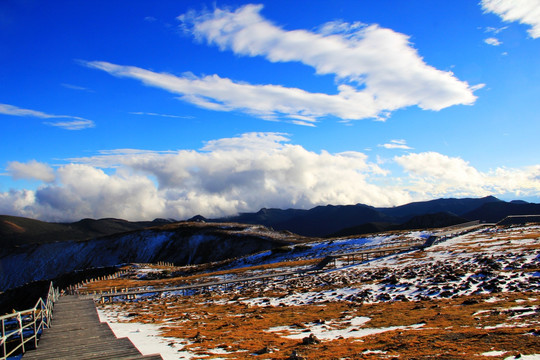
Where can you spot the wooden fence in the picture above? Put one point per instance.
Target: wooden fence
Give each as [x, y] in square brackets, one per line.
[20, 331]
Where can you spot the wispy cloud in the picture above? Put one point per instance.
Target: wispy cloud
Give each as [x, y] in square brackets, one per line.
[72, 125]
[379, 59]
[16, 111]
[76, 87]
[523, 11]
[495, 30]
[377, 70]
[161, 115]
[396, 144]
[266, 101]
[77, 123]
[492, 41]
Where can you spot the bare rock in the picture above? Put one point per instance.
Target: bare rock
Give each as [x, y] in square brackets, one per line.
[310, 340]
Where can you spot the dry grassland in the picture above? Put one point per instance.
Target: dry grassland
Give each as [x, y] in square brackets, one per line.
[460, 328]
[226, 325]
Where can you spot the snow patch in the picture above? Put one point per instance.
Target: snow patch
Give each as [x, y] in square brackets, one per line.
[146, 337]
[328, 331]
[494, 353]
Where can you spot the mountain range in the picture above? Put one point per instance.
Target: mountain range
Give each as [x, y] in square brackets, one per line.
[32, 250]
[320, 221]
[343, 220]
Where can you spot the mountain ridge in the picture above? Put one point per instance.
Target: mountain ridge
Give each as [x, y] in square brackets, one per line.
[324, 221]
[319, 221]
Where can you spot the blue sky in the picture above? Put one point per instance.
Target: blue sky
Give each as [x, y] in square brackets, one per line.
[141, 109]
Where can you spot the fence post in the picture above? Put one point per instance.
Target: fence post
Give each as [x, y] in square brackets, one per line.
[4, 340]
[19, 319]
[35, 327]
[42, 313]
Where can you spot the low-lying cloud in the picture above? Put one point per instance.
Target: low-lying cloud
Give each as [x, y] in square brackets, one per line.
[244, 173]
[437, 175]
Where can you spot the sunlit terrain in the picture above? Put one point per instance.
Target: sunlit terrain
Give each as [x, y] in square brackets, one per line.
[472, 296]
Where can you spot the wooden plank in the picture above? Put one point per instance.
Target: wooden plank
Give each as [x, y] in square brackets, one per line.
[77, 333]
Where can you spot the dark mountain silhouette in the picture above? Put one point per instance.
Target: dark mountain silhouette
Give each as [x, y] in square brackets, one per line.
[430, 221]
[320, 221]
[197, 218]
[427, 221]
[324, 220]
[268, 217]
[457, 207]
[366, 228]
[329, 220]
[16, 230]
[495, 212]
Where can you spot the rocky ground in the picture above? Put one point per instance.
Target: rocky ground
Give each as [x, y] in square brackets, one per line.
[474, 296]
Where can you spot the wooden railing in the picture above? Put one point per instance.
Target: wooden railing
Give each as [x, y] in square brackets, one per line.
[20, 331]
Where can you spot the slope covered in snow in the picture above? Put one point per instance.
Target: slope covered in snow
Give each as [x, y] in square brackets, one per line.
[182, 243]
[474, 296]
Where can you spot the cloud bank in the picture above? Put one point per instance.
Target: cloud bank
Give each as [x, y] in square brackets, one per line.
[523, 11]
[377, 70]
[437, 175]
[77, 123]
[244, 173]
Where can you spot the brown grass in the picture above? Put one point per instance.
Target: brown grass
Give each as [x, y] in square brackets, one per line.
[455, 328]
[451, 330]
[131, 283]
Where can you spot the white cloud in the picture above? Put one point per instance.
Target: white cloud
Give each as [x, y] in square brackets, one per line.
[245, 173]
[396, 144]
[492, 41]
[31, 170]
[77, 123]
[494, 30]
[161, 115]
[226, 176]
[76, 87]
[377, 70]
[381, 60]
[72, 125]
[7, 109]
[266, 101]
[523, 11]
[434, 175]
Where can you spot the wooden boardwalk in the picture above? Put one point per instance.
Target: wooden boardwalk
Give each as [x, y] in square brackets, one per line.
[77, 333]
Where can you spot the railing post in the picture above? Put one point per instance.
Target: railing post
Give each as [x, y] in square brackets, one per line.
[42, 314]
[19, 319]
[4, 353]
[35, 327]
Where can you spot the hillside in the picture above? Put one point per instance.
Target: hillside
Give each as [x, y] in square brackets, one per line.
[496, 211]
[179, 243]
[320, 221]
[331, 220]
[427, 221]
[473, 296]
[18, 230]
